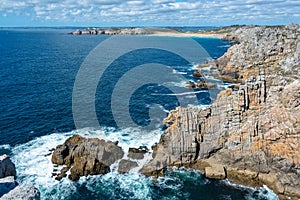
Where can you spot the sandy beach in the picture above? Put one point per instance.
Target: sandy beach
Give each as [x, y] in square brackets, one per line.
[186, 34]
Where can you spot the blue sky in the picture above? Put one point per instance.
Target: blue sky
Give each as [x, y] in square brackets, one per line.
[147, 12]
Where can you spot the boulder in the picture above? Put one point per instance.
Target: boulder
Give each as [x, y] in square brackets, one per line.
[197, 74]
[7, 167]
[190, 84]
[23, 192]
[126, 165]
[206, 84]
[135, 153]
[216, 171]
[86, 156]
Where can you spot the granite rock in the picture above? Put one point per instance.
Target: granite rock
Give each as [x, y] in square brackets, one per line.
[86, 156]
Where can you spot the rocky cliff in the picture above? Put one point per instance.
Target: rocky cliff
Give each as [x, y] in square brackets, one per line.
[250, 134]
[9, 188]
[253, 128]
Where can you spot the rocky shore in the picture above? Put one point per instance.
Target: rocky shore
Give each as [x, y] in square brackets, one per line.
[250, 134]
[9, 188]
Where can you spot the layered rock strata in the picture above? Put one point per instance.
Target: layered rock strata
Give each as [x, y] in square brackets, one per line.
[253, 128]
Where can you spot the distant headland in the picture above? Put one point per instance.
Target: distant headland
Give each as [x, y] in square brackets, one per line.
[158, 31]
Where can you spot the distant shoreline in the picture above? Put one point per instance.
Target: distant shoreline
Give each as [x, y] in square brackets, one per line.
[188, 34]
[172, 32]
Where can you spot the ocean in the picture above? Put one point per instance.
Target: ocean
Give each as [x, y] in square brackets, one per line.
[38, 73]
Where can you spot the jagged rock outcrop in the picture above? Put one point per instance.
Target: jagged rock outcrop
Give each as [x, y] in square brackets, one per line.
[137, 153]
[9, 188]
[253, 128]
[85, 156]
[265, 50]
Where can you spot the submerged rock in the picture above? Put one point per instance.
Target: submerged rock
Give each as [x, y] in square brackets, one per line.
[86, 156]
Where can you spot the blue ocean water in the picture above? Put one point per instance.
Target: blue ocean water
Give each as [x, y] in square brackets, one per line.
[38, 68]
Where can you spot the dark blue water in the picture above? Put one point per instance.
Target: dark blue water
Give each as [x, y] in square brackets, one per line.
[37, 73]
[38, 68]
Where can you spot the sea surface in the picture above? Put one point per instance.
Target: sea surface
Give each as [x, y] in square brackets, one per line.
[38, 68]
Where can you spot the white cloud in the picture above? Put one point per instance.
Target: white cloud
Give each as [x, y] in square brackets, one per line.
[156, 12]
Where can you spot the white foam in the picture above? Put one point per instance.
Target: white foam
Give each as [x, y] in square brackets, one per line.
[5, 146]
[181, 84]
[34, 168]
[138, 185]
[33, 160]
[224, 46]
[180, 94]
[195, 67]
[202, 107]
[263, 192]
[178, 72]
[163, 108]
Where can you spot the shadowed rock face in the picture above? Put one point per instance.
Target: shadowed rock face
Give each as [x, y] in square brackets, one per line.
[252, 129]
[126, 165]
[7, 167]
[85, 156]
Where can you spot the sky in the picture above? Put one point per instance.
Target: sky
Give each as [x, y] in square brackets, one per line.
[103, 13]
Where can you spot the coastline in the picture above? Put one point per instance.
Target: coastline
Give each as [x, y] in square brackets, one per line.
[171, 32]
[187, 34]
[234, 137]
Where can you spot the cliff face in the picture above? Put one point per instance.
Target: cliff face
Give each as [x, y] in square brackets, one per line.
[252, 129]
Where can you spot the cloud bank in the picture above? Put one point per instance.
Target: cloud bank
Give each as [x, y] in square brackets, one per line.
[153, 12]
